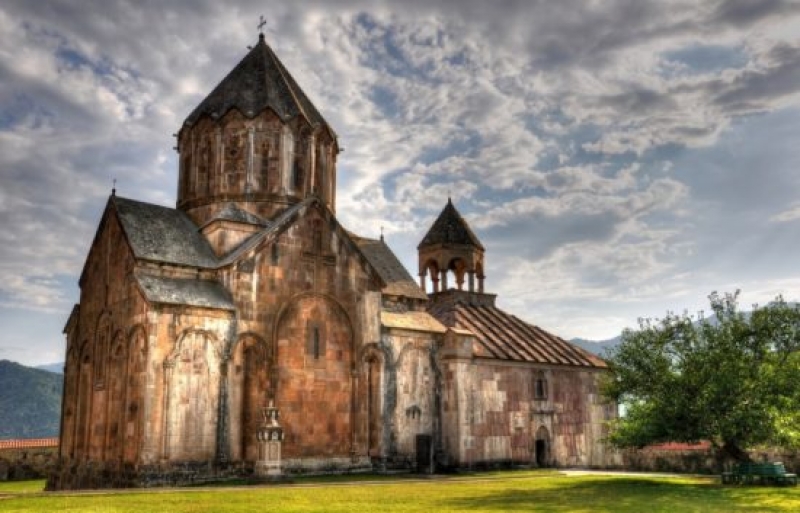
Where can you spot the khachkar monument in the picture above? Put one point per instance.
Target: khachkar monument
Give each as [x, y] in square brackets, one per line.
[270, 437]
[251, 292]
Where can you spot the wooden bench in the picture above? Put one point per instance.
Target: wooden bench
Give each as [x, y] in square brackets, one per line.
[763, 473]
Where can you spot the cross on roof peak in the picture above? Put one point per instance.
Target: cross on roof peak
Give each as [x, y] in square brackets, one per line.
[261, 23]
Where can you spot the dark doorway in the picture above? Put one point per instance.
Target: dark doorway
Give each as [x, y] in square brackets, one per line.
[424, 454]
[541, 447]
[541, 453]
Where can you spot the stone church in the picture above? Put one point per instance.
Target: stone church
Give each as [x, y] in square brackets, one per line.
[250, 292]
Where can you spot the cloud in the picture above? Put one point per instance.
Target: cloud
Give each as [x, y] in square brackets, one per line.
[603, 151]
[786, 216]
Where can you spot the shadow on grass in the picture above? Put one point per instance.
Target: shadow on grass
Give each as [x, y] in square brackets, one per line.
[601, 494]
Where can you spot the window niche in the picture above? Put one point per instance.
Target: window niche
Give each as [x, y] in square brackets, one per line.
[275, 253]
[315, 344]
[540, 387]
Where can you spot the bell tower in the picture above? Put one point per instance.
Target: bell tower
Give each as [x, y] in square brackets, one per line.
[257, 142]
[451, 246]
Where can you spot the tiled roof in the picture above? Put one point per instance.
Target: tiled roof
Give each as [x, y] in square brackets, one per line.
[504, 336]
[259, 81]
[190, 292]
[679, 446]
[28, 443]
[414, 321]
[383, 259]
[163, 234]
[450, 228]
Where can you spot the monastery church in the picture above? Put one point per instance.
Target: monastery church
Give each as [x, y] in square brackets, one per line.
[192, 320]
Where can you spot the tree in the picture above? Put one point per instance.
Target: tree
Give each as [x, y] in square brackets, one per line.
[732, 379]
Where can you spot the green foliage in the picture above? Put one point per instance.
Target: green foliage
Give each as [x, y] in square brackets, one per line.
[30, 401]
[732, 379]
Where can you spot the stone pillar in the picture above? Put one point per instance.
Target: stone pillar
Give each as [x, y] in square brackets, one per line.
[444, 280]
[270, 438]
[471, 278]
[422, 281]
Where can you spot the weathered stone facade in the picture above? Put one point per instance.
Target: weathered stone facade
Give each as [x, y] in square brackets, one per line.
[191, 320]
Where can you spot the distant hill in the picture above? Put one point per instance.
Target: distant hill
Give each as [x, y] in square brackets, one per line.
[58, 368]
[597, 347]
[30, 401]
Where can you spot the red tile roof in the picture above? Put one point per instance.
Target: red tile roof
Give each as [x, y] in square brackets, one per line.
[679, 446]
[28, 443]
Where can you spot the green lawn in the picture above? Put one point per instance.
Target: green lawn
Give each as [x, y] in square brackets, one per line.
[511, 491]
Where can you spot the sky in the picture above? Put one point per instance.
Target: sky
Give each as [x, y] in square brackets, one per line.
[618, 159]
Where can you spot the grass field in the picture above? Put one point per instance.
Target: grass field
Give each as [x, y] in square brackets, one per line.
[510, 491]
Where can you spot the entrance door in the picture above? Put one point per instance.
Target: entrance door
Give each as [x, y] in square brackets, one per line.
[424, 454]
[542, 447]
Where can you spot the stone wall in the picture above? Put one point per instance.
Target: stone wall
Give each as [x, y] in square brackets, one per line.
[697, 461]
[504, 413]
[29, 463]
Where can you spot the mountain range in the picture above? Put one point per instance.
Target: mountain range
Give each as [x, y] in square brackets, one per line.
[30, 401]
[598, 347]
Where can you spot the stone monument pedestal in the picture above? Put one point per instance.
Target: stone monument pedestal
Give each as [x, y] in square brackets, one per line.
[270, 438]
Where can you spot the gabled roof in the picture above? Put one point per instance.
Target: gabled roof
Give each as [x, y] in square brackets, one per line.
[232, 212]
[383, 259]
[163, 234]
[276, 226]
[450, 228]
[259, 81]
[283, 221]
[505, 337]
[191, 292]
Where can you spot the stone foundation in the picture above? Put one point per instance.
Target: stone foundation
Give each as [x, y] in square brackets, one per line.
[89, 475]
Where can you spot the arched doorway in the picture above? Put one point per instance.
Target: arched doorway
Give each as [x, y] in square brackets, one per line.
[541, 447]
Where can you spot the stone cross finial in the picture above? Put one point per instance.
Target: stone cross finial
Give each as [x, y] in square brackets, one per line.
[261, 23]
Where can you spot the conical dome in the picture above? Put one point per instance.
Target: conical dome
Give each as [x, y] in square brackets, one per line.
[258, 82]
[450, 246]
[450, 228]
[255, 141]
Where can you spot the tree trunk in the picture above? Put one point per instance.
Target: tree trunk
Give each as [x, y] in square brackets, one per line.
[732, 450]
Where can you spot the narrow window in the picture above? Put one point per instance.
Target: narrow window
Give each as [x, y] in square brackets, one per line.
[275, 253]
[540, 391]
[316, 343]
[297, 174]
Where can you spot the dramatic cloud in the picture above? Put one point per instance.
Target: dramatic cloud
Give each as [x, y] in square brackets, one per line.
[616, 158]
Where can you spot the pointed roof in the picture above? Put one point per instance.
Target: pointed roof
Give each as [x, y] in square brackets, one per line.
[259, 81]
[450, 228]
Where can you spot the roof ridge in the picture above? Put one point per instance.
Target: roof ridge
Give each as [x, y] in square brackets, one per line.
[284, 73]
[259, 236]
